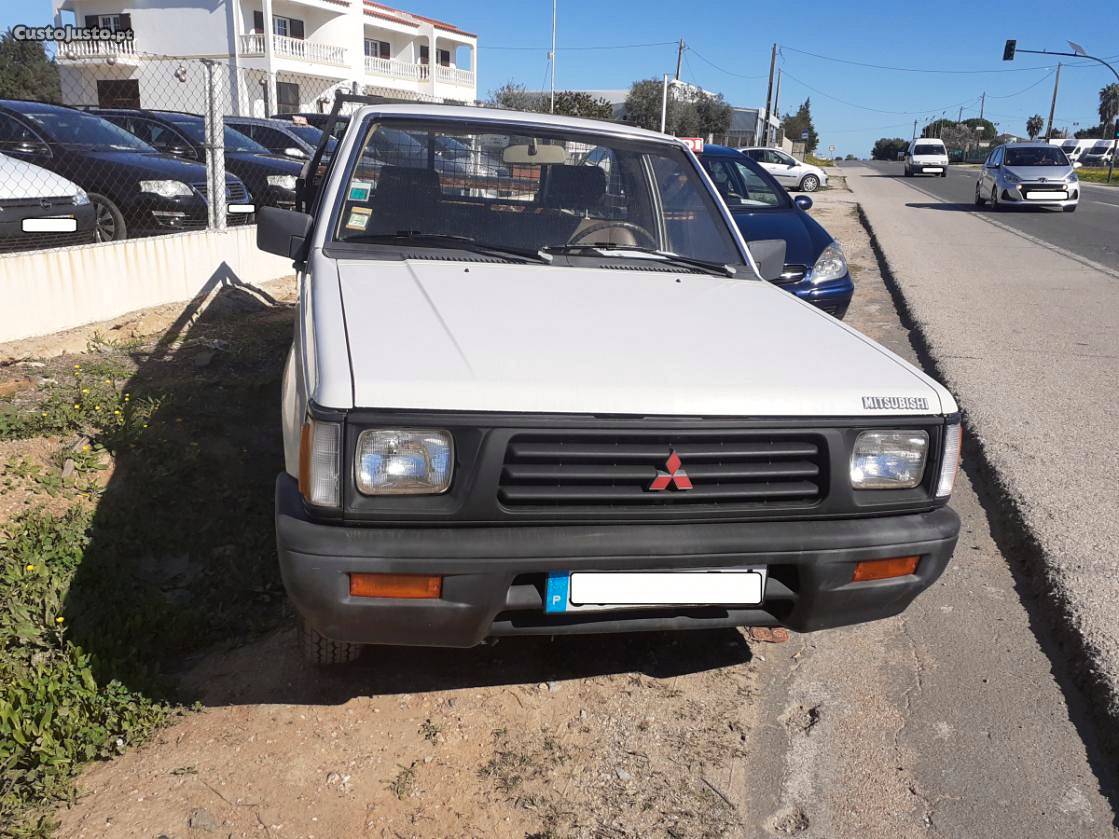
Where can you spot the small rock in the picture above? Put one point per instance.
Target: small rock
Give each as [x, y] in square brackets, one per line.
[201, 820]
[333, 778]
[623, 776]
[789, 821]
[768, 634]
[582, 713]
[553, 687]
[34, 364]
[204, 358]
[68, 469]
[543, 685]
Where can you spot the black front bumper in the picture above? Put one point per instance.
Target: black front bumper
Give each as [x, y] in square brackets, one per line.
[494, 576]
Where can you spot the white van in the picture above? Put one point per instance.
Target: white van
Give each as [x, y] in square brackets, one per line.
[926, 155]
[1099, 154]
[1073, 148]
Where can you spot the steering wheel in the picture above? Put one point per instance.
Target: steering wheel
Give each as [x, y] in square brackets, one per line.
[606, 224]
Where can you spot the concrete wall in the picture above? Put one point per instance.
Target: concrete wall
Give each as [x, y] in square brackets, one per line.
[48, 291]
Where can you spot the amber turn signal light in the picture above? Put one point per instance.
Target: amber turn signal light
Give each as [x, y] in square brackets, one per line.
[410, 586]
[884, 569]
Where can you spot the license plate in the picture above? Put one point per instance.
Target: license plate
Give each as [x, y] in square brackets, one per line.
[1046, 196]
[240, 208]
[604, 590]
[934, 168]
[50, 225]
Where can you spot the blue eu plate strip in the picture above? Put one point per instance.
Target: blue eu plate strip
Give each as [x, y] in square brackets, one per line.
[555, 592]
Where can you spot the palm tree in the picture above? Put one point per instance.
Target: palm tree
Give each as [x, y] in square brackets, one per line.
[1109, 103]
[1034, 125]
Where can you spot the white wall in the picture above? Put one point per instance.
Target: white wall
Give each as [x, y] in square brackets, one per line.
[48, 291]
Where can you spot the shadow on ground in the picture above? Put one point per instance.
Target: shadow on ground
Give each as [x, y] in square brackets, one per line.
[178, 593]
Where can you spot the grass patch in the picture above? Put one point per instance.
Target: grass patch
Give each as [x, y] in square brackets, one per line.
[1097, 176]
[100, 604]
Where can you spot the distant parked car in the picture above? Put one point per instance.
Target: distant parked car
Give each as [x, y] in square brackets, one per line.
[1099, 154]
[271, 178]
[135, 190]
[290, 139]
[1022, 174]
[815, 268]
[790, 173]
[39, 209]
[926, 156]
[318, 121]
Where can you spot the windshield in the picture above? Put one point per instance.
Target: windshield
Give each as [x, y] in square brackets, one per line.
[1035, 156]
[928, 148]
[1100, 148]
[74, 128]
[525, 192]
[310, 134]
[232, 139]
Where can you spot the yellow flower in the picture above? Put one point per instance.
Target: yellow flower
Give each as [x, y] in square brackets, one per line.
[145, 425]
[59, 619]
[85, 448]
[85, 390]
[108, 381]
[77, 367]
[97, 407]
[127, 396]
[30, 567]
[44, 413]
[117, 412]
[77, 406]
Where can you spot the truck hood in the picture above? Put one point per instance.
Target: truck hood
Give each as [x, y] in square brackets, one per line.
[19, 179]
[477, 336]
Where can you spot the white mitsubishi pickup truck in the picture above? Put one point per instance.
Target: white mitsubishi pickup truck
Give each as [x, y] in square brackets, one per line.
[538, 387]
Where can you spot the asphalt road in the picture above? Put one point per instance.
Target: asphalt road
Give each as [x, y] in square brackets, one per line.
[1091, 233]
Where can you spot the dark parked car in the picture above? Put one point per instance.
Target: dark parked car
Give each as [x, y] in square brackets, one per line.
[815, 268]
[297, 140]
[135, 190]
[318, 121]
[271, 178]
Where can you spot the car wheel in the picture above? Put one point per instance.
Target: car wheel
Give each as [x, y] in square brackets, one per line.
[809, 183]
[108, 223]
[944, 174]
[979, 199]
[995, 205]
[908, 172]
[1069, 209]
[322, 651]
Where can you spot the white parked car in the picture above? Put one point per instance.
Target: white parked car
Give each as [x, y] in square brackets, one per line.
[40, 209]
[568, 403]
[926, 156]
[791, 173]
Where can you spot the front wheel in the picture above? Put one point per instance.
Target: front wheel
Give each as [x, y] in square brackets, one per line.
[108, 221]
[810, 183]
[979, 199]
[995, 205]
[944, 174]
[1070, 209]
[319, 650]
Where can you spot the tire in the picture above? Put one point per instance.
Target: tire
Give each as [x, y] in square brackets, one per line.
[979, 199]
[1070, 209]
[908, 172]
[809, 183]
[944, 174]
[108, 222]
[321, 651]
[995, 205]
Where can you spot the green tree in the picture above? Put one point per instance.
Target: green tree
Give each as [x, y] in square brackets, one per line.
[936, 127]
[691, 112]
[887, 148]
[796, 124]
[26, 71]
[958, 136]
[516, 97]
[576, 103]
[1034, 125]
[989, 130]
[1109, 104]
[714, 113]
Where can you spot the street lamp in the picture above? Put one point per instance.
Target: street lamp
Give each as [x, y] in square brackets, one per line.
[1077, 52]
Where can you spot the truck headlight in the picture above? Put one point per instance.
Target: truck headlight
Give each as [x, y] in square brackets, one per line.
[889, 459]
[950, 461]
[831, 264]
[404, 461]
[166, 189]
[281, 181]
[320, 456]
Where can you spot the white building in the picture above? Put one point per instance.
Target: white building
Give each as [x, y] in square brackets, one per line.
[315, 48]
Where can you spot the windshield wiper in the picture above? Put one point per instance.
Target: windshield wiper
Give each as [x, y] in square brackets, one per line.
[451, 241]
[661, 256]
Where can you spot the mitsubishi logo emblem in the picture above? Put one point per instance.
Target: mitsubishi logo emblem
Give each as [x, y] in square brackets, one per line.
[674, 477]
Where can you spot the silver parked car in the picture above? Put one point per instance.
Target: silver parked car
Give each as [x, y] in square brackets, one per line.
[1022, 174]
[791, 173]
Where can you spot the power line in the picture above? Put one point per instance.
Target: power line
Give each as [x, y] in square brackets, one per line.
[1023, 90]
[880, 110]
[705, 60]
[926, 69]
[578, 49]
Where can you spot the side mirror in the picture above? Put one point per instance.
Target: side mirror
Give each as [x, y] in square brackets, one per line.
[32, 148]
[1077, 165]
[283, 232]
[292, 151]
[804, 202]
[792, 164]
[182, 151]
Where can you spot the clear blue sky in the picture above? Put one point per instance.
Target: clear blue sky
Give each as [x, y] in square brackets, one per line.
[730, 46]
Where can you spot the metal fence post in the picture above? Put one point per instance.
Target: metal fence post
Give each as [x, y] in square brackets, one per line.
[215, 147]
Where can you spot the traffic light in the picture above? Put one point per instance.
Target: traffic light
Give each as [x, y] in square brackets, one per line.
[1008, 50]
[1115, 133]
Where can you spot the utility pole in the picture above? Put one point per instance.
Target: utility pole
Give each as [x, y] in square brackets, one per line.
[960, 118]
[769, 94]
[914, 129]
[777, 97]
[1053, 105]
[982, 102]
[552, 59]
[679, 57]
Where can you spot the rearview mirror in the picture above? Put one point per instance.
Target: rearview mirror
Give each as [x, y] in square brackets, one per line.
[804, 202]
[537, 153]
[292, 151]
[283, 232]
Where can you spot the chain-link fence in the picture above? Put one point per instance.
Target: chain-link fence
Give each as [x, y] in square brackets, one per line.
[141, 145]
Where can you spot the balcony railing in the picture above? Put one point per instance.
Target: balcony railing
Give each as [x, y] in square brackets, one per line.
[297, 48]
[86, 50]
[394, 69]
[453, 75]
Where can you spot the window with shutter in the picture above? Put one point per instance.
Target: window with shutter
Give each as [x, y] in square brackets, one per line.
[126, 22]
[295, 29]
[258, 23]
[445, 58]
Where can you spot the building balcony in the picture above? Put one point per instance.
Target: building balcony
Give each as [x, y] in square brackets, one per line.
[97, 52]
[455, 76]
[390, 68]
[297, 49]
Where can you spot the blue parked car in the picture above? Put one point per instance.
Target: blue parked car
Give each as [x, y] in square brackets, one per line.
[815, 268]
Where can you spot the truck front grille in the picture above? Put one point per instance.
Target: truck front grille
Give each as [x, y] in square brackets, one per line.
[635, 470]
